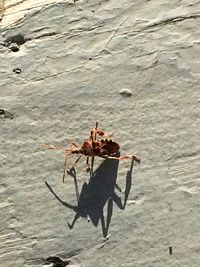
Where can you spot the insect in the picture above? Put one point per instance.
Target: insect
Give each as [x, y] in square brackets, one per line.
[104, 148]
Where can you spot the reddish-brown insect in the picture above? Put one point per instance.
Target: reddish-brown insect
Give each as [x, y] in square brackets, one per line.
[104, 148]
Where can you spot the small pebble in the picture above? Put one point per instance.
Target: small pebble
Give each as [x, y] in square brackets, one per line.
[14, 47]
[125, 92]
[17, 71]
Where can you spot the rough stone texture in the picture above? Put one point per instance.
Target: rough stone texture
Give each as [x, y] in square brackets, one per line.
[72, 60]
[1, 9]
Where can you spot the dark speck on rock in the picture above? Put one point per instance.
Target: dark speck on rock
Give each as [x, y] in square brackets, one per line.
[125, 92]
[57, 262]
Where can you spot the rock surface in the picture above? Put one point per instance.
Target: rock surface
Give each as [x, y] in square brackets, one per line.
[62, 66]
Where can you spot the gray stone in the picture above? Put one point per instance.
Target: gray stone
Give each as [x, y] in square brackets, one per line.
[125, 92]
[74, 58]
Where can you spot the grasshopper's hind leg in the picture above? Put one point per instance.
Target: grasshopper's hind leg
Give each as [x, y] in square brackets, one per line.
[77, 160]
[88, 164]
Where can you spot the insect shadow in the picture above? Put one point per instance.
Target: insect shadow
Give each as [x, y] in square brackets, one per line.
[99, 191]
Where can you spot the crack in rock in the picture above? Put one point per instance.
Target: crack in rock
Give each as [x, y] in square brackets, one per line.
[171, 21]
